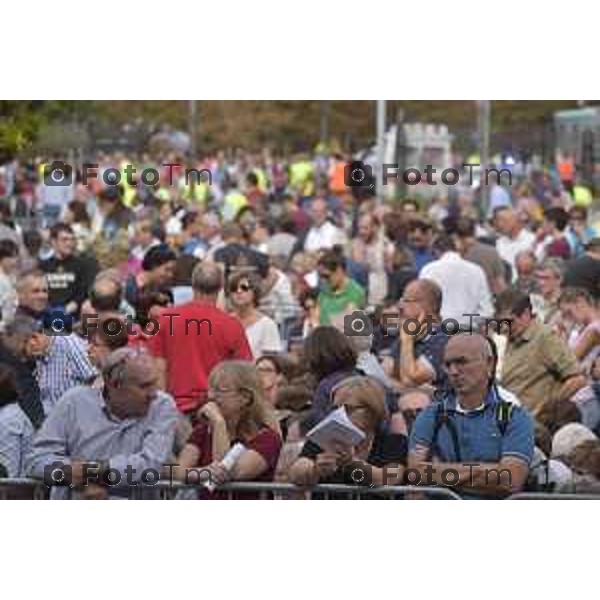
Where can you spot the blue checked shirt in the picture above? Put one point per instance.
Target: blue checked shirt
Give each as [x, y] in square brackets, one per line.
[65, 365]
[16, 436]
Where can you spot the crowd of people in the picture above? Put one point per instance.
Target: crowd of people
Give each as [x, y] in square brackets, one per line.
[170, 323]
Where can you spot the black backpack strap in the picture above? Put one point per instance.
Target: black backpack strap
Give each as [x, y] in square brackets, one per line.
[443, 419]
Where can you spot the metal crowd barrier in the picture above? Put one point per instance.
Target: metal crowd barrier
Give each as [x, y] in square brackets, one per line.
[34, 489]
[282, 491]
[546, 496]
[23, 489]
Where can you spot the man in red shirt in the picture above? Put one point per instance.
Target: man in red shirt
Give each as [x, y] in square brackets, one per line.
[195, 337]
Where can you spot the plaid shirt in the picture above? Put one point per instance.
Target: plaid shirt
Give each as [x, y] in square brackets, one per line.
[65, 365]
[16, 436]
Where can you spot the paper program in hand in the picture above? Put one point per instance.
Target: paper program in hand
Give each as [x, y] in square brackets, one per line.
[336, 429]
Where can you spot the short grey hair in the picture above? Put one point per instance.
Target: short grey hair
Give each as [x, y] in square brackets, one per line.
[555, 265]
[207, 278]
[22, 325]
[526, 254]
[25, 277]
[115, 366]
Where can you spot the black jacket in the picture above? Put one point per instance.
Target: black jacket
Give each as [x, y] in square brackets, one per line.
[29, 392]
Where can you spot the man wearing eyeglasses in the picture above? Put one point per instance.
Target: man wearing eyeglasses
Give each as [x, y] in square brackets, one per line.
[55, 363]
[69, 276]
[538, 365]
[549, 276]
[475, 438]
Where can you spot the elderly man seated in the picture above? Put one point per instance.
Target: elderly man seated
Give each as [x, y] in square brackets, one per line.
[106, 441]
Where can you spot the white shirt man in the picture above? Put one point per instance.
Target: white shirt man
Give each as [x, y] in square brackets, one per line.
[508, 247]
[464, 286]
[323, 237]
[323, 234]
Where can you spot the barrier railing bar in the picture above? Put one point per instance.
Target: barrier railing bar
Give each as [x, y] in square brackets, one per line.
[558, 496]
[168, 489]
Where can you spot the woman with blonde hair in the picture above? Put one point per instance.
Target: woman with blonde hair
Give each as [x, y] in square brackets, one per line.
[236, 412]
[363, 400]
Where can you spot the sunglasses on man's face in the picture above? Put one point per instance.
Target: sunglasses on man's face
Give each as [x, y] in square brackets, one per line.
[243, 287]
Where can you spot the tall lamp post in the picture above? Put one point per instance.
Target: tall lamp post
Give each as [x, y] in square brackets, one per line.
[484, 116]
[192, 126]
[323, 121]
[380, 150]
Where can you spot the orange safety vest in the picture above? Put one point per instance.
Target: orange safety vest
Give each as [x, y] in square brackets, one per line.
[336, 179]
[566, 171]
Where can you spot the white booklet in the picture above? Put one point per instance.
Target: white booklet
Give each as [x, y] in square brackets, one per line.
[336, 428]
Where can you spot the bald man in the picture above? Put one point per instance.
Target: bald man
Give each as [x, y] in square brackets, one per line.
[127, 428]
[475, 439]
[418, 356]
[107, 295]
[195, 337]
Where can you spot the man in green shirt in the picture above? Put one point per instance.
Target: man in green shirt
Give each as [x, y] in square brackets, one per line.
[341, 294]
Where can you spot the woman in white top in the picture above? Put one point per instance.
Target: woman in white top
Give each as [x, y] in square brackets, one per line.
[244, 295]
[577, 306]
[9, 260]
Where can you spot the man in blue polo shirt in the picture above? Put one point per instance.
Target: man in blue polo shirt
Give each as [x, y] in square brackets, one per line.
[475, 438]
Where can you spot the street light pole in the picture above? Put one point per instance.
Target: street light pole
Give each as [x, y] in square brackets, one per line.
[484, 152]
[323, 121]
[380, 150]
[192, 128]
[400, 152]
